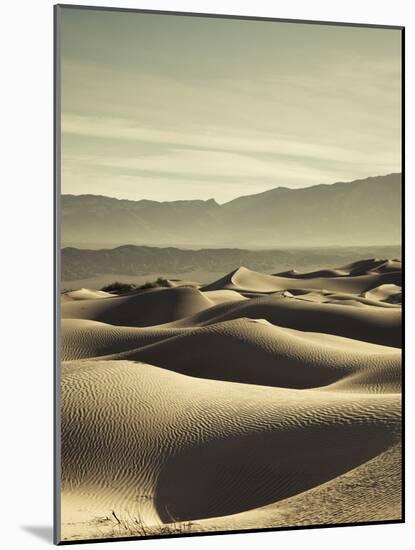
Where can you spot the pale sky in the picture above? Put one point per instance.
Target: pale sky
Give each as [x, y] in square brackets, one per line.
[166, 108]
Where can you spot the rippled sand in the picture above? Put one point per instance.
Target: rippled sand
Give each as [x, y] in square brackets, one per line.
[257, 401]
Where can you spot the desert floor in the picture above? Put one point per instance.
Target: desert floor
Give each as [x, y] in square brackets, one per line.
[255, 401]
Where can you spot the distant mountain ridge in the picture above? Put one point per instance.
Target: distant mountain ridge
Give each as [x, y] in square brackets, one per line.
[366, 211]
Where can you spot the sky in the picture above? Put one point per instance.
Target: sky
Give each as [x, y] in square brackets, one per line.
[169, 108]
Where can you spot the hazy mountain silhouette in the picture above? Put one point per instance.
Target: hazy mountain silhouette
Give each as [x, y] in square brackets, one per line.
[364, 211]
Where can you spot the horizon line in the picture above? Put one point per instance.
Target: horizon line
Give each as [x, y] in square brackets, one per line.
[238, 196]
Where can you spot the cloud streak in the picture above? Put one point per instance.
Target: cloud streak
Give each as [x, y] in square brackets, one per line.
[265, 112]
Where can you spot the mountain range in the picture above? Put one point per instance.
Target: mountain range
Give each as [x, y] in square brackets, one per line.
[361, 212]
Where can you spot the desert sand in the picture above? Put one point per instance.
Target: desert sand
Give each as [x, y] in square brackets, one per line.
[255, 401]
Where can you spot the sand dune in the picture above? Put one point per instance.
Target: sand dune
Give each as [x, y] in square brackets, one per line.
[224, 296]
[256, 352]
[385, 293]
[191, 307]
[370, 492]
[374, 265]
[81, 338]
[239, 446]
[256, 401]
[371, 324]
[245, 280]
[362, 267]
[351, 299]
[145, 308]
[292, 273]
[87, 294]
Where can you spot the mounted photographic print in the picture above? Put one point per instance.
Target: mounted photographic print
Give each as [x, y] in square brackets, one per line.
[228, 274]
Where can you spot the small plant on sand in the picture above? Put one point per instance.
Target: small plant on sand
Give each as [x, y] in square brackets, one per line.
[119, 288]
[134, 526]
[160, 282]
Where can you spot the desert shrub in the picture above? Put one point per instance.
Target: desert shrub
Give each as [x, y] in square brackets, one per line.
[135, 526]
[148, 284]
[158, 283]
[121, 288]
[163, 282]
[118, 287]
